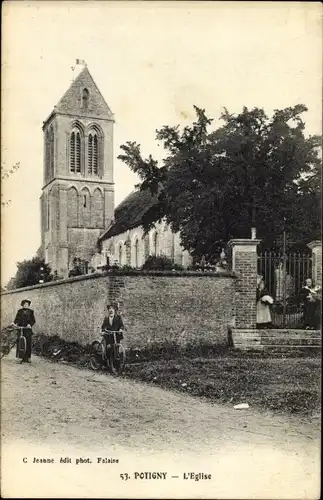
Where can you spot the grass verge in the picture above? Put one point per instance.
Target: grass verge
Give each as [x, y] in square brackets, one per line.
[288, 385]
[281, 382]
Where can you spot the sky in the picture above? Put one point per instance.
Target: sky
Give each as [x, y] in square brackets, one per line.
[152, 61]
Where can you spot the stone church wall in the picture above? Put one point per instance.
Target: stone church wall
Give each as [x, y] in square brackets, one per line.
[180, 307]
[132, 248]
[81, 243]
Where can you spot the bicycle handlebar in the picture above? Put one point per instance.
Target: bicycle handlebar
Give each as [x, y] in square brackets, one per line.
[111, 331]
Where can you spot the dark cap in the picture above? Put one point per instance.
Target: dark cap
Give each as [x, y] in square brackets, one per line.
[24, 302]
[115, 305]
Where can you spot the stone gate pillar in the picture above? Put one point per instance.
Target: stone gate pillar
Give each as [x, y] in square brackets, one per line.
[244, 264]
[316, 247]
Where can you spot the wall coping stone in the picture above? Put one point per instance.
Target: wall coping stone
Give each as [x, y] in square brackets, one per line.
[243, 241]
[314, 244]
[274, 331]
[126, 273]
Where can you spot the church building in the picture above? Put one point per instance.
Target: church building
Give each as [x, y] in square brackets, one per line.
[78, 219]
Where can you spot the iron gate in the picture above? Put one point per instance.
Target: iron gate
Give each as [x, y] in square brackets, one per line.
[284, 275]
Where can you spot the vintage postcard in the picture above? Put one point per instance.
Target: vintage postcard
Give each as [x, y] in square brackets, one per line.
[161, 254]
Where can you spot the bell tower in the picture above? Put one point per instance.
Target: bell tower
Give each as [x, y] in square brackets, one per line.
[77, 201]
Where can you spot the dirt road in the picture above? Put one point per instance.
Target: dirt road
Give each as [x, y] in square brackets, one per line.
[56, 411]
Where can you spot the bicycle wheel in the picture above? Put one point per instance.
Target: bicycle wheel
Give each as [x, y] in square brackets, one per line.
[96, 361]
[117, 359]
[5, 349]
[22, 347]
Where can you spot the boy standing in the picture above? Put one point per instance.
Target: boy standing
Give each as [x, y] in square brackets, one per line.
[112, 323]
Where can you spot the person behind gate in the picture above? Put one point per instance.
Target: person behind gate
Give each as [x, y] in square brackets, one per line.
[25, 319]
[310, 300]
[264, 300]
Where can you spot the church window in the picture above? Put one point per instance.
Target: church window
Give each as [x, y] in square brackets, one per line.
[78, 152]
[111, 252]
[85, 215]
[155, 243]
[75, 152]
[93, 154]
[137, 253]
[120, 254]
[85, 99]
[90, 152]
[72, 145]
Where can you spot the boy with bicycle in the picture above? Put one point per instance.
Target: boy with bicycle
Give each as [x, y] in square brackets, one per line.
[25, 319]
[111, 323]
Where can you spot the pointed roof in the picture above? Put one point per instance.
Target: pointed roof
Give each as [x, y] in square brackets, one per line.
[71, 102]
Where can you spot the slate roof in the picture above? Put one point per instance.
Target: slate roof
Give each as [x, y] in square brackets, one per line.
[71, 102]
[129, 213]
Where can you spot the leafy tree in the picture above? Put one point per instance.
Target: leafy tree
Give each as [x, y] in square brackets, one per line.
[252, 170]
[30, 272]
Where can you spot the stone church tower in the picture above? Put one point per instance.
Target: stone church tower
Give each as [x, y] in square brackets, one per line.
[77, 201]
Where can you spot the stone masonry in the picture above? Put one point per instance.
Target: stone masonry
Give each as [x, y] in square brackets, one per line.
[77, 201]
[180, 308]
[316, 247]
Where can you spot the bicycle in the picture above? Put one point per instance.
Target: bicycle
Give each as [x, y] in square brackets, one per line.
[6, 346]
[6, 341]
[112, 356]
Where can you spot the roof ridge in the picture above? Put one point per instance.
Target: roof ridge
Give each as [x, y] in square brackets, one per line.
[88, 71]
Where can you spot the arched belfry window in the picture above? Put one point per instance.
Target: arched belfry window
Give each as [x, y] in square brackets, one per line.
[85, 98]
[93, 153]
[75, 151]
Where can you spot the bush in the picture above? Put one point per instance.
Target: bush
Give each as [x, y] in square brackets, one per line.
[126, 267]
[160, 263]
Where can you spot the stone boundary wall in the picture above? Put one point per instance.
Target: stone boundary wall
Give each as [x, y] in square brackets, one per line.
[156, 306]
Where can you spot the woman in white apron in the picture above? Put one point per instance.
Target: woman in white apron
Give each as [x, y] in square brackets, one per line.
[264, 301]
